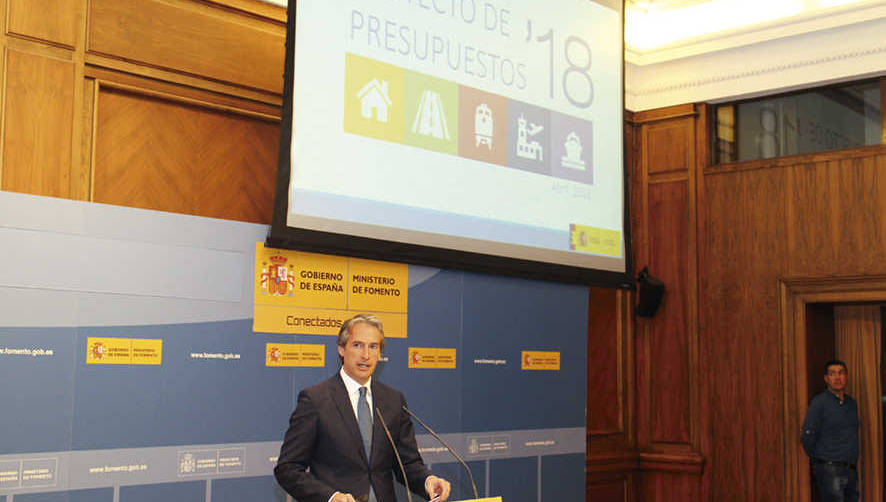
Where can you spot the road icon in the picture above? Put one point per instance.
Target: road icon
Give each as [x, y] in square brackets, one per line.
[430, 119]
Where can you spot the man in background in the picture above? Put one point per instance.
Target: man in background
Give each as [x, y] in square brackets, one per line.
[830, 437]
[336, 449]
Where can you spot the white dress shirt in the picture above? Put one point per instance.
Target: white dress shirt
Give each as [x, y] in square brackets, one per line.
[353, 388]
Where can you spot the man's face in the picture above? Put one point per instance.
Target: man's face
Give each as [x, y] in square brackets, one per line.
[360, 354]
[836, 378]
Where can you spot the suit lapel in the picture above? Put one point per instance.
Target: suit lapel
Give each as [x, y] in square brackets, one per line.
[346, 411]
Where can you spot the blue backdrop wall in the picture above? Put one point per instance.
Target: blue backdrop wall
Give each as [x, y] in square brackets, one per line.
[206, 424]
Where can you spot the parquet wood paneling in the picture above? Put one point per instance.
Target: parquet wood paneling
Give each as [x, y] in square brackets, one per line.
[190, 37]
[669, 365]
[54, 21]
[743, 252]
[163, 155]
[39, 120]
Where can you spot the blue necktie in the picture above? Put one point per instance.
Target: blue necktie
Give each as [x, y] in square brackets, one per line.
[364, 420]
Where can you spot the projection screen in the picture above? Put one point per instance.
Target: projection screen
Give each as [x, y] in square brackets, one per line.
[482, 135]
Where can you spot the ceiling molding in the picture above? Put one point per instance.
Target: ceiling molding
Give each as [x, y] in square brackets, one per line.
[824, 19]
[840, 53]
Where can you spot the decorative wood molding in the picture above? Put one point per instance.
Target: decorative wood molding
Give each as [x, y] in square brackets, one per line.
[183, 94]
[259, 8]
[95, 61]
[668, 113]
[793, 160]
[794, 296]
[692, 463]
[614, 462]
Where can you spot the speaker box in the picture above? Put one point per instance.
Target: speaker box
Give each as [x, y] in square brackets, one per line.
[649, 293]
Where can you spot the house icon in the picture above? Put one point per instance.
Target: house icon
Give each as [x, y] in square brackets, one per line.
[374, 97]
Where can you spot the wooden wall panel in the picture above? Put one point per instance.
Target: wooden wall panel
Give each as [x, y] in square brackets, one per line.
[670, 145]
[190, 37]
[38, 124]
[668, 338]
[760, 223]
[157, 154]
[605, 361]
[663, 193]
[611, 490]
[743, 252]
[837, 224]
[664, 237]
[54, 21]
[668, 487]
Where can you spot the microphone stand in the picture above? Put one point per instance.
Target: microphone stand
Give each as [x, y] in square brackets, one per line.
[396, 454]
[454, 454]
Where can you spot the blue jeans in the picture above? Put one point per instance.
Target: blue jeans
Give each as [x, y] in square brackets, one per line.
[836, 483]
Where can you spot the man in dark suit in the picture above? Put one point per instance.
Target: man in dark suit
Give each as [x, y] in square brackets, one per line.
[335, 449]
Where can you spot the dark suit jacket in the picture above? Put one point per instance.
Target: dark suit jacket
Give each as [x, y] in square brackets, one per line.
[323, 452]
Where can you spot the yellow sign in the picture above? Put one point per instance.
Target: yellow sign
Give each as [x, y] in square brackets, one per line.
[489, 499]
[285, 277]
[303, 321]
[312, 294]
[295, 355]
[422, 357]
[594, 240]
[378, 286]
[535, 360]
[124, 351]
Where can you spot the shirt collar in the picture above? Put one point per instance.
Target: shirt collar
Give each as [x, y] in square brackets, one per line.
[352, 386]
[846, 396]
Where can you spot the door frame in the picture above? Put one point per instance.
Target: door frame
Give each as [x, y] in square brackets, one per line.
[794, 295]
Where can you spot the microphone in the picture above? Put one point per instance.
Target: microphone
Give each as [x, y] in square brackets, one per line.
[396, 453]
[454, 454]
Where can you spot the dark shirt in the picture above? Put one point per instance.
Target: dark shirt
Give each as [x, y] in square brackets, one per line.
[830, 431]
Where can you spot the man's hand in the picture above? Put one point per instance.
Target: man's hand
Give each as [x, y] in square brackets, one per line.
[437, 488]
[342, 497]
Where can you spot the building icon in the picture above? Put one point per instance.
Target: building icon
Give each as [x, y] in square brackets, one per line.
[525, 148]
[374, 99]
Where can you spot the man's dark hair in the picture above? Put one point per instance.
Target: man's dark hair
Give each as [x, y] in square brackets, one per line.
[834, 362]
